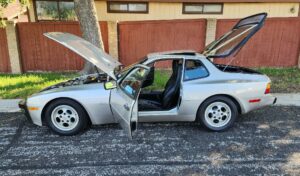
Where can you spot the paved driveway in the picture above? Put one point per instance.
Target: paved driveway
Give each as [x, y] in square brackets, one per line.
[265, 141]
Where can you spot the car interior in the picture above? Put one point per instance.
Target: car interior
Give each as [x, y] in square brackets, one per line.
[165, 99]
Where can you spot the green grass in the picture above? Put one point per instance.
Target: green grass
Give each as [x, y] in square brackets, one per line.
[160, 79]
[284, 80]
[23, 85]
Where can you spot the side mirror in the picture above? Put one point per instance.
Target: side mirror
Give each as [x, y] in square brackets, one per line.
[110, 85]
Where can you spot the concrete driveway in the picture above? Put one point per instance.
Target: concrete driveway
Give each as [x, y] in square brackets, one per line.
[266, 141]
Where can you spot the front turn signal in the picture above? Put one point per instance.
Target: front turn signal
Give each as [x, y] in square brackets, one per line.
[33, 108]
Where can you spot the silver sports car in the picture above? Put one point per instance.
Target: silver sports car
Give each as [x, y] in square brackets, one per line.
[196, 89]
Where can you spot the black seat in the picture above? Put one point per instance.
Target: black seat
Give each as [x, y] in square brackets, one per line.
[170, 95]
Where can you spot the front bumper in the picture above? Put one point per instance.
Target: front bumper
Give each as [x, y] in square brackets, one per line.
[23, 106]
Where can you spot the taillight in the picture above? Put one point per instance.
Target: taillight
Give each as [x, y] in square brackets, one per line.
[268, 89]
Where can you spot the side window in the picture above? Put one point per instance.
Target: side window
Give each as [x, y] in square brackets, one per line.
[161, 75]
[133, 82]
[194, 69]
[163, 70]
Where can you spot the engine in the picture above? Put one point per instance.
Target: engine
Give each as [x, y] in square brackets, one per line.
[86, 79]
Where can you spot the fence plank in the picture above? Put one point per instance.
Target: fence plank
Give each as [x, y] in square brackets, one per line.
[41, 54]
[4, 56]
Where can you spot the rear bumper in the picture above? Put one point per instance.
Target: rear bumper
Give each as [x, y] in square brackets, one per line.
[265, 100]
[23, 106]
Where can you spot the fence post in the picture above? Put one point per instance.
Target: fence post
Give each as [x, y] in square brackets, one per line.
[211, 29]
[13, 49]
[113, 38]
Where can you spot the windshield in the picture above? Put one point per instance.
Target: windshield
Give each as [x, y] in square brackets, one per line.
[122, 71]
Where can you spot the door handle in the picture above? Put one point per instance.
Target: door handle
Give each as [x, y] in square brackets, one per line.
[126, 107]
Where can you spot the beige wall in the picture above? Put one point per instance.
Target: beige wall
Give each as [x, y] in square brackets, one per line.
[159, 11]
[273, 9]
[163, 11]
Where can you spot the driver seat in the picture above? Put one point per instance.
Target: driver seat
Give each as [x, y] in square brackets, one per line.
[170, 95]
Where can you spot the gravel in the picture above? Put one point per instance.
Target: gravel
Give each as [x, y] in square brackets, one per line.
[266, 141]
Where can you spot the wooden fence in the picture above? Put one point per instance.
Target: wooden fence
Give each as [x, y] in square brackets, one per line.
[40, 53]
[277, 44]
[137, 39]
[4, 56]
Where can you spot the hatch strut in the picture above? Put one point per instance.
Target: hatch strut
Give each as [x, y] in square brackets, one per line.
[236, 52]
[229, 63]
[233, 57]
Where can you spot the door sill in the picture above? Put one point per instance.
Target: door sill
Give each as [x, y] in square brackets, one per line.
[172, 112]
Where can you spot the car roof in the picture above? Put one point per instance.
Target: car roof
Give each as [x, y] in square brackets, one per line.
[171, 54]
[174, 52]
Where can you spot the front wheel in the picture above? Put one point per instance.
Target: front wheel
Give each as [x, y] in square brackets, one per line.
[218, 113]
[66, 117]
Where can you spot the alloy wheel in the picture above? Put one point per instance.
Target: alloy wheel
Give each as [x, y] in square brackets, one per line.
[218, 114]
[64, 117]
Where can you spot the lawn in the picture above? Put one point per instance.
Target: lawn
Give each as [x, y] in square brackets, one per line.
[160, 79]
[284, 80]
[22, 85]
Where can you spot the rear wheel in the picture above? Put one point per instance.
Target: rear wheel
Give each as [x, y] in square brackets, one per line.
[218, 113]
[66, 117]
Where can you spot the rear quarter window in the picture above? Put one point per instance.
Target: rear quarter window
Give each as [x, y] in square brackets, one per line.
[194, 69]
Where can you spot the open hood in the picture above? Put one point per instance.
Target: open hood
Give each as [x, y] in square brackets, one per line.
[86, 50]
[233, 41]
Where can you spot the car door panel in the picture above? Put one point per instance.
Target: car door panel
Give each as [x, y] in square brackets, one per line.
[121, 108]
[123, 99]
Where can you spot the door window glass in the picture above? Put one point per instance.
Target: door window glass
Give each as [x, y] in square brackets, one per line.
[132, 83]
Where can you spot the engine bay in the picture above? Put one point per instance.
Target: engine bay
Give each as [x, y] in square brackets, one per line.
[235, 69]
[85, 79]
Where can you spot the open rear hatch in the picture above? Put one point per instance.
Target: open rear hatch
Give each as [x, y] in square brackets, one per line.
[236, 38]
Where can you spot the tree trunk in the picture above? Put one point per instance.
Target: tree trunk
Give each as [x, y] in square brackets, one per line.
[89, 25]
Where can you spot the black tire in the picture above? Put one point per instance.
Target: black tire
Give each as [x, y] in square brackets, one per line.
[233, 108]
[82, 117]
